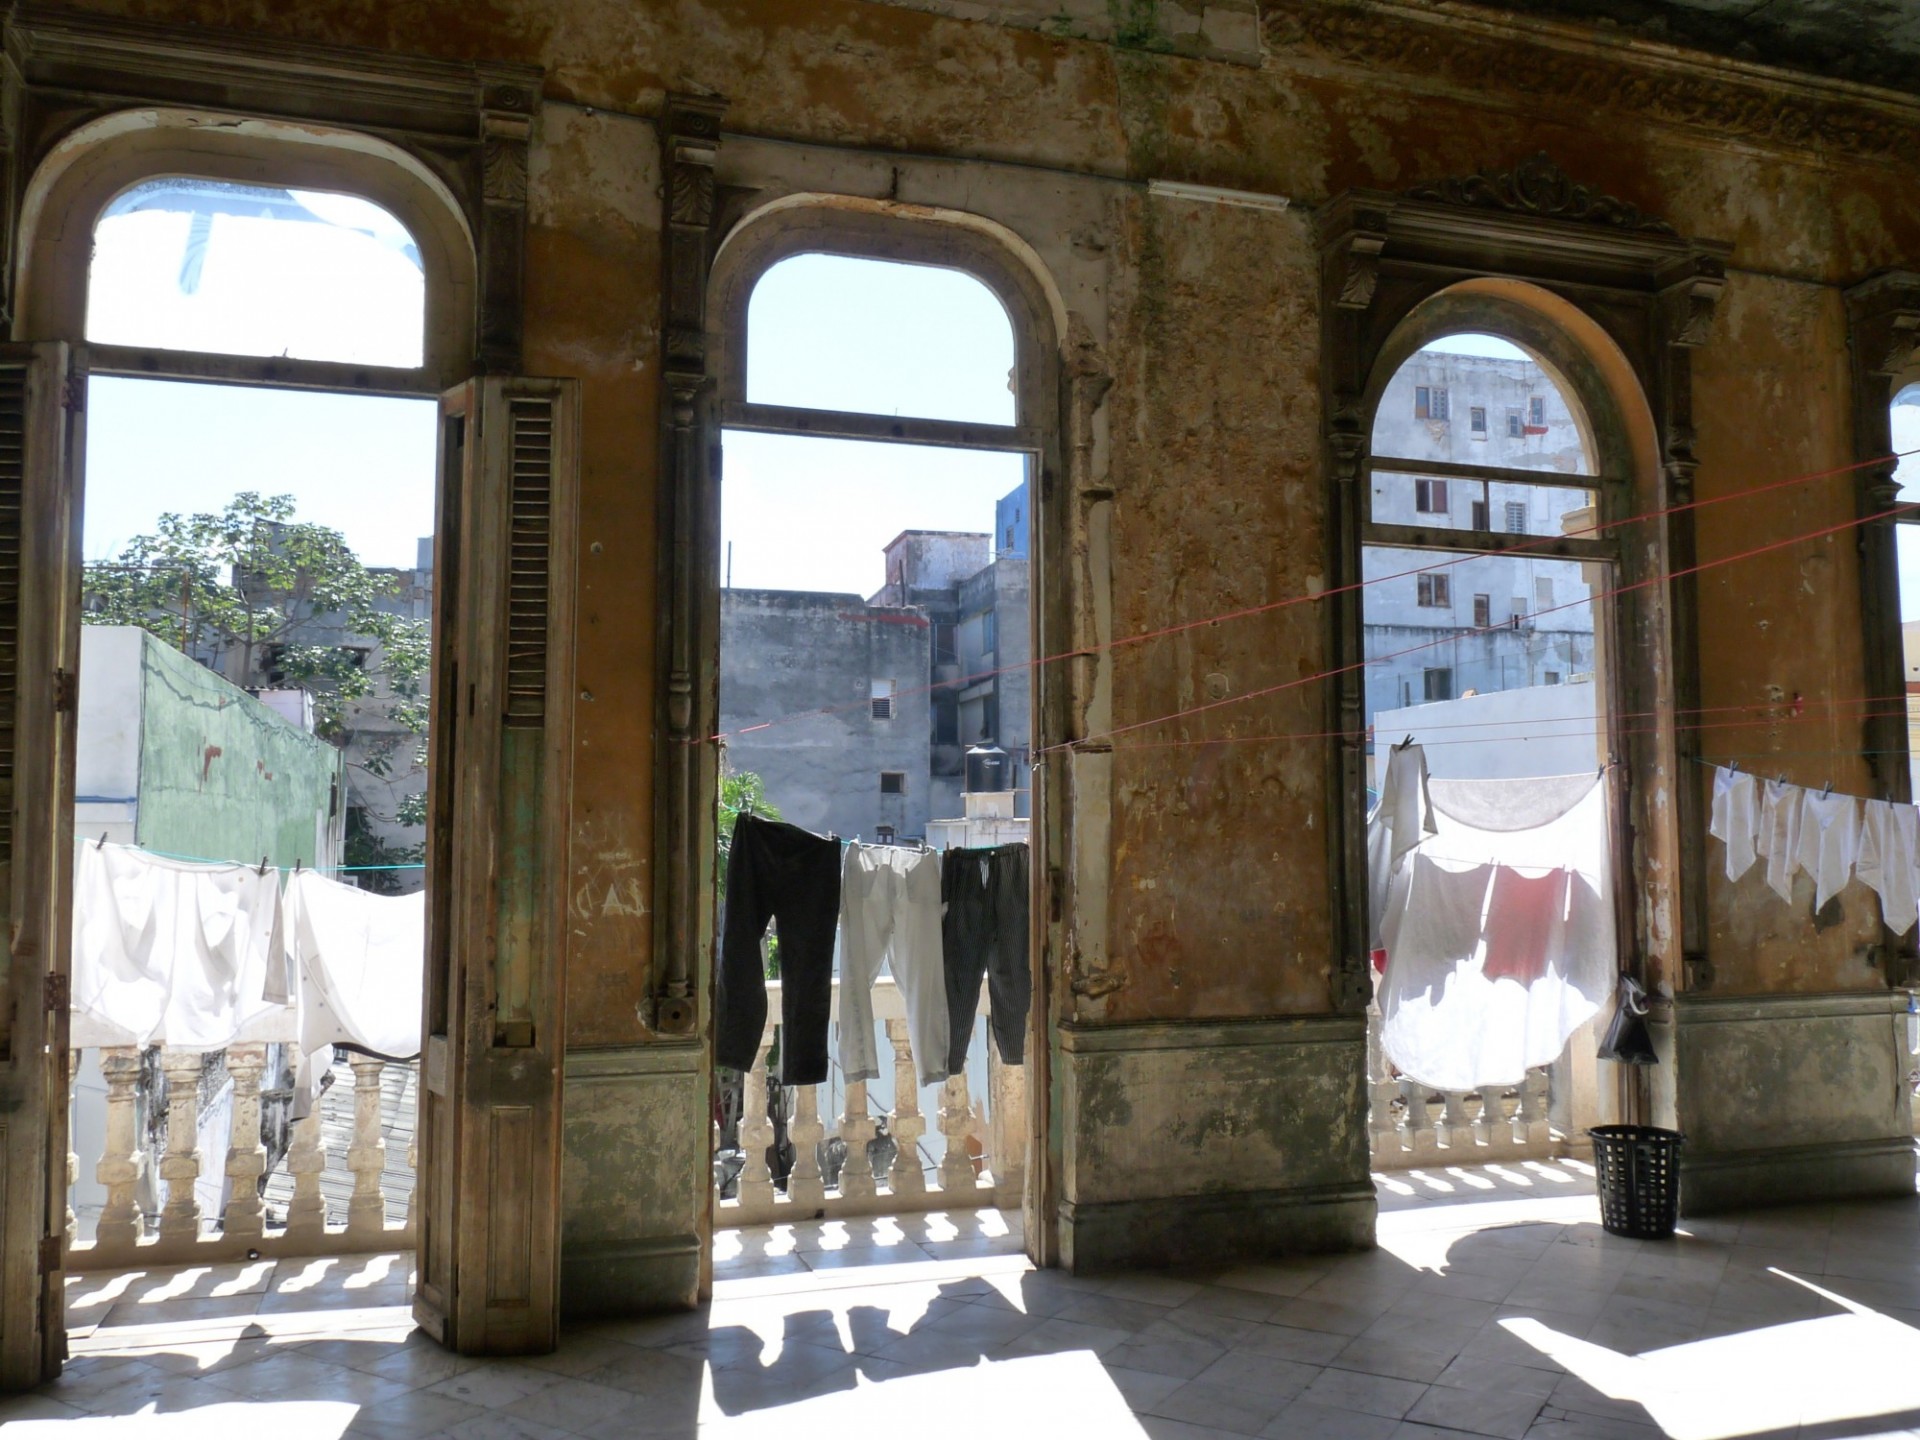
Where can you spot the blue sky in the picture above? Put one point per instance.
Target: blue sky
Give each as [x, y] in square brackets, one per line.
[826, 332]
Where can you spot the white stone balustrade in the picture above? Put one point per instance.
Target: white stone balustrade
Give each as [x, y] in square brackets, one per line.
[180, 1234]
[981, 1159]
[1411, 1125]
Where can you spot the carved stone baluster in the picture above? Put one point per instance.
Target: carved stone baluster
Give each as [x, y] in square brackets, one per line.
[306, 1160]
[1383, 1088]
[71, 1225]
[1416, 1124]
[367, 1154]
[804, 1186]
[121, 1159]
[908, 1123]
[756, 1134]
[857, 1129]
[1459, 1127]
[1531, 1123]
[956, 1122]
[1007, 1126]
[1484, 1107]
[246, 1156]
[180, 1166]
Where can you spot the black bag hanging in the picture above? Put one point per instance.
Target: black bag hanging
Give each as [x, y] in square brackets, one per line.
[1627, 1041]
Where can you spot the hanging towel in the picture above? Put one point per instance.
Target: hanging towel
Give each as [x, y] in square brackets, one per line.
[1889, 853]
[359, 960]
[890, 913]
[1829, 841]
[1780, 834]
[1736, 819]
[169, 952]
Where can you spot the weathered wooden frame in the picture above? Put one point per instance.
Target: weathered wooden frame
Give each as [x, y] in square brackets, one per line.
[719, 247]
[1613, 301]
[1883, 344]
[92, 105]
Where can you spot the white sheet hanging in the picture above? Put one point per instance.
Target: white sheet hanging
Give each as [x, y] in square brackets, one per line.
[1736, 818]
[1890, 859]
[168, 952]
[1401, 819]
[1499, 933]
[360, 961]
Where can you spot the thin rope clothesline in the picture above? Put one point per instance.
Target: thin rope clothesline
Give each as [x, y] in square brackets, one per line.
[246, 865]
[1248, 611]
[1748, 719]
[1821, 532]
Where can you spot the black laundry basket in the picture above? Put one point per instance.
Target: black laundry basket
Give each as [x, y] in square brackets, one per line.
[1638, 1175]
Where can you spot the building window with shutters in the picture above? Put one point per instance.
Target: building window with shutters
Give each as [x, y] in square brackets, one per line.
[1516, 517]
[1430, 497]
[1482, 611]
[882, 702]
[1429, 402]
[1435, 591]
[1477, 421]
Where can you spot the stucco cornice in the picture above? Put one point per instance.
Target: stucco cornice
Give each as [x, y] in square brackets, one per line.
[1467, 49]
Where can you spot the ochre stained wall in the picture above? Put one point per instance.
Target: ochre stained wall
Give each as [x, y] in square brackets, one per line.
[1220, 897]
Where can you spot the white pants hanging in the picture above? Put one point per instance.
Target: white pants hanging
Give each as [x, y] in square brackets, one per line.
[890, 910]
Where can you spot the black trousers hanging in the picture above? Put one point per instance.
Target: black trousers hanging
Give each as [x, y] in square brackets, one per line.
[782, 873]
[984, 932]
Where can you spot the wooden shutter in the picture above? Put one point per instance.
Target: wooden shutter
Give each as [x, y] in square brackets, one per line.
[489, 1146]
[41, 393]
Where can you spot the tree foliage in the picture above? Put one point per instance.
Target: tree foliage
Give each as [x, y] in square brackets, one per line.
[288, 599]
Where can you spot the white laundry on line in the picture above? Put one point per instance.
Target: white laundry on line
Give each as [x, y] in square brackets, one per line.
[172, 952]
[1499, 930]
[359, 960]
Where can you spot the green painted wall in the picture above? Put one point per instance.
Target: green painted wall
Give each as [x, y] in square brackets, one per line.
[222, 777]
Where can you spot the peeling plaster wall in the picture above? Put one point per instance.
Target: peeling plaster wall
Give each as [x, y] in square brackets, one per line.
[1199, 883]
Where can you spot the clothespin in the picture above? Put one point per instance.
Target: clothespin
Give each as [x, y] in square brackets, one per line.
[263, 864]
[1828, 791]
[297, 862]
[101, 843]
[1733, 765]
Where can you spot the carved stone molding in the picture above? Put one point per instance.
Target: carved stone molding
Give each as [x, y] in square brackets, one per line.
[690, 140]
[468, 124]
[1564, 67]
[1538, 187]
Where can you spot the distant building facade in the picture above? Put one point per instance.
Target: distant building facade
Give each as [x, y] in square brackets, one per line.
[1489, 622]
[940, 654]
[843, 679]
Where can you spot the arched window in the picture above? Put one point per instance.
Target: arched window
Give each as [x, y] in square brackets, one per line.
[181, 263]
[1905, 423]
[1480, 565]
[843, 332]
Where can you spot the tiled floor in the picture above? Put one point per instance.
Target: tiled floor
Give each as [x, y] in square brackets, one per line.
[1495, 1306]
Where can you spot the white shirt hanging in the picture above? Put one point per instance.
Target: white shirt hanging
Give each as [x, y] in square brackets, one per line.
[1889, 854]
[1829, 841]
[1736, 819]
[1780, 834]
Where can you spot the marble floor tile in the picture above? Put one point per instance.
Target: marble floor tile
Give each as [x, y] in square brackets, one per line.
[1495, 1307]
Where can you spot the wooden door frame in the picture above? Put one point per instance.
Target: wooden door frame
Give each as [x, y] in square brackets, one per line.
[94, 104]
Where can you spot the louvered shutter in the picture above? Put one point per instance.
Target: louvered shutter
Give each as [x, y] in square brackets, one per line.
[489, 1186]
[40, 442]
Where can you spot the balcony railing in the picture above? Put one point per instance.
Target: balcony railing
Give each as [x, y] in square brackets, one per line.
[1411, 1125]
[339, 1152]
[982, 1149]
